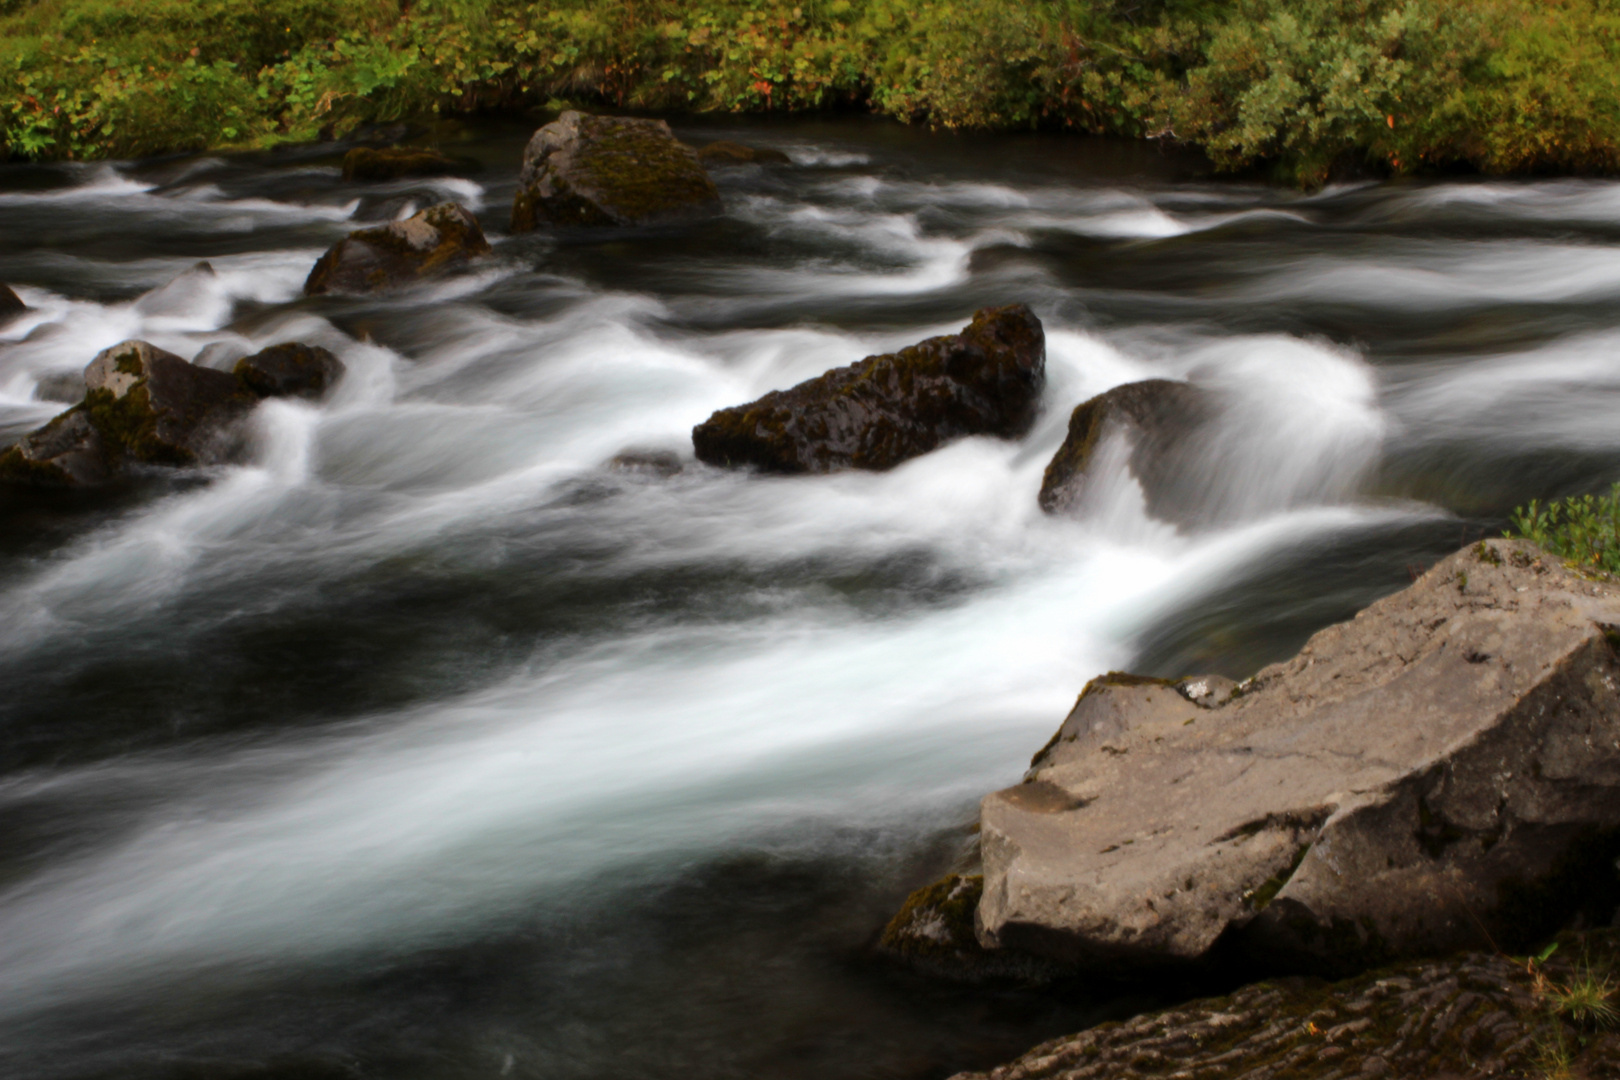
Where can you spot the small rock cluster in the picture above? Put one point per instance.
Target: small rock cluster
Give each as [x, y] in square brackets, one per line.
[145, 406]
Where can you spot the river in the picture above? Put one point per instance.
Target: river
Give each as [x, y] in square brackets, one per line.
[423, 744]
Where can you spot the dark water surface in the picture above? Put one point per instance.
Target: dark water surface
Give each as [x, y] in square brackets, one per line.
[422, 744]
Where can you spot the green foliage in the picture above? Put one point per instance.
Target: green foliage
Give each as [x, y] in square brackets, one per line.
[1584, 530]
[1302, 86]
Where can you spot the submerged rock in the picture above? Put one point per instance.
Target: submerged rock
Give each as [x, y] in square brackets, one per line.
[400, 252]
[11, 304]
[660, 463]
[1476, 1015]
[887, 409]
[609, 170]
[289, 370]
[724, 152]
[365, 163]
[1158, 417]
[182, 294]
[1443, 767]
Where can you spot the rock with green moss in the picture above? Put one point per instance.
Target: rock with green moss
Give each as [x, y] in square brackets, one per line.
[65, 453]
[888, 409]
[724, 152]
[1479, 1014]
[1440, 771]
[399, 253]
[1159, 421]
[152, 407]
[11, 304]
[289, 370]
[933, 934]
[609, 170]
[365, 163]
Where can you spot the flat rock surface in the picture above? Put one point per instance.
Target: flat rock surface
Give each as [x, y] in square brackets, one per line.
[1476, 1015]
[1445, 764]
[888, 409]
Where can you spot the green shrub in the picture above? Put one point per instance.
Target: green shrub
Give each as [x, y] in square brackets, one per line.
[1584, 530]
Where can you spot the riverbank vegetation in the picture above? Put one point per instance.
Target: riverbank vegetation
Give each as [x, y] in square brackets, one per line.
[1583, 530]
[1304, 88]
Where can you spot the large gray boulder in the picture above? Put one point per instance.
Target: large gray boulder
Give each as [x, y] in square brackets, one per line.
[1159, 420]
[609, 170]
[888, 409]
[1441, 772]
[65, 453]
[399, 253]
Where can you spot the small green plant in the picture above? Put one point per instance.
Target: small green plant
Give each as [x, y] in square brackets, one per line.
[1584, 530]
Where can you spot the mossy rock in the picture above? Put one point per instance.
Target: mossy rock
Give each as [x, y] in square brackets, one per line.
[887, 409]
[933, 934]
[365, 163]
[289, 370]
[399, 253]
[609, 170]
[724, 152]
[1473, 1015]
[11, 304]
[1160, 416]
[152, 407]
[65, 453]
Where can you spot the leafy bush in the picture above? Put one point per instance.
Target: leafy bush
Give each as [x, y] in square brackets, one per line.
[1301, 86]
[1584, 530]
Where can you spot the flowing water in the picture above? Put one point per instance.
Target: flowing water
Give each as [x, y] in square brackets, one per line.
[422, 743]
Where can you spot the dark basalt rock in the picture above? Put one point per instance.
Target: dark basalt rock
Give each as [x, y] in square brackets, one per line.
[1160, 417]
[11, 304]
[399, 253]
[67, 452]
[151, 406]
[724, 152]
[365, 163]
[609, 170]
[289, 370]
[888, 409]
[1475, 1015]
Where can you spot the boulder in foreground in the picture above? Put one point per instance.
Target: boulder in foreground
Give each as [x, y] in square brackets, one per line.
[399, 253]
[289, 370]
[1156, 417]
[887, 409]
[609, 170]
[1476, 1015]
[1442, 767]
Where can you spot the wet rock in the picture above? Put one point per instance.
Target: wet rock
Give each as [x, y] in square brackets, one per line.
[65, 453]
[1159, 418]
[1475, 1015]
[150, 406]
[1444, 766]
[609, 170]
[289, 370]
[662, 463]
[933, 934]
[365, 163]
[400, 252]
[724, 152]
[887, 409]
[181, 294]
[11, 304]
